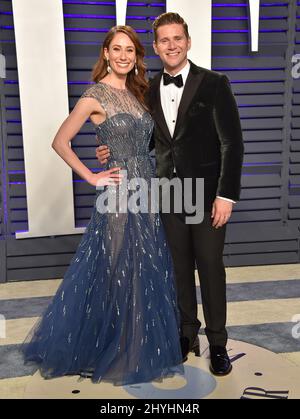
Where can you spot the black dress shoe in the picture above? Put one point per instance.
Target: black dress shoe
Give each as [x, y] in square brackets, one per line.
[219, 361]
[185, 347]
[196, 347]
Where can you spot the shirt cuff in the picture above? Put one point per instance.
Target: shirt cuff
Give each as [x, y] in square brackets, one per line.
[227, 199]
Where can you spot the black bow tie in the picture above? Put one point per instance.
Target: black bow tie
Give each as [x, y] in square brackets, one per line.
[178, 81]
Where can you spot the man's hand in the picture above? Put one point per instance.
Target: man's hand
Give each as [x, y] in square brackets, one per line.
[221, 212]
[102, 154]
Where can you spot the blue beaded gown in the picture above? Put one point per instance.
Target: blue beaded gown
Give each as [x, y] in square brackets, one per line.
[114, 317]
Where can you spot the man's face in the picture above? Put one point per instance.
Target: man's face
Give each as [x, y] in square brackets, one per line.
[172, 46]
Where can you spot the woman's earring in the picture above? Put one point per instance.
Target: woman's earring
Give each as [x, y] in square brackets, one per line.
[108, 66]
[136, 70]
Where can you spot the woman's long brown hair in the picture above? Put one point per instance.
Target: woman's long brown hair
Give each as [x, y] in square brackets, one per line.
[137, 84]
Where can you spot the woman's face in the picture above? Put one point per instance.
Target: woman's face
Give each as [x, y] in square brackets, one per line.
[121, 54]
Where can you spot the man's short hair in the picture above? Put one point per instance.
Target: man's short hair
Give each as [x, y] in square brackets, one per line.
[169, 19]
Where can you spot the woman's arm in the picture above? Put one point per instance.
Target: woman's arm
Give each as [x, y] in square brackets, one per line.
[68, 130]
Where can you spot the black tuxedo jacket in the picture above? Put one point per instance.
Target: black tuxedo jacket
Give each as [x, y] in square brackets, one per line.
[207, 141]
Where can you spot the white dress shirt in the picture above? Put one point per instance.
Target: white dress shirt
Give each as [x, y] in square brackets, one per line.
[171, 97]
[170, 100]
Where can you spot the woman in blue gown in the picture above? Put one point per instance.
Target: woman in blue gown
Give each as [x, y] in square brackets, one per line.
[114, 317]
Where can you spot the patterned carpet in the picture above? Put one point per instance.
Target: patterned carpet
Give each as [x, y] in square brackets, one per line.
[262, 306]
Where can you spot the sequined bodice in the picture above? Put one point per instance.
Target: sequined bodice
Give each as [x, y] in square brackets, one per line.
[128, 127]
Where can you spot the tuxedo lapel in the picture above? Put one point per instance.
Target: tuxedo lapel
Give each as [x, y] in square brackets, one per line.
[157, 110]
[193, 81]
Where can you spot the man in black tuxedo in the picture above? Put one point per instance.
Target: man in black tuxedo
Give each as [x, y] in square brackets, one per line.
[197, 135]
